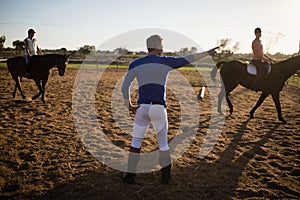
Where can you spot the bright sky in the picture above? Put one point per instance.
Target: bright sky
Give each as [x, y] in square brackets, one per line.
[74, 23]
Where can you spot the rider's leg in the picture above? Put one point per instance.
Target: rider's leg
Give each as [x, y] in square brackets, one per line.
[140, 126]
[261, 71]
[28, 66]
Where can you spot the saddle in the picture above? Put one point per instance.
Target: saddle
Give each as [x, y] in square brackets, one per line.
[251, 69]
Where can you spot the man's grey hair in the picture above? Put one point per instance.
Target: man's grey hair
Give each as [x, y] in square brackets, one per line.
[154, 42]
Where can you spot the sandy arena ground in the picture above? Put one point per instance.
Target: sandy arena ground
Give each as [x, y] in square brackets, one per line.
[42, 156]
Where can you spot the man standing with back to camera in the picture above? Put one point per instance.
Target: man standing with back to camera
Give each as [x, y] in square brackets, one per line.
[151, 72]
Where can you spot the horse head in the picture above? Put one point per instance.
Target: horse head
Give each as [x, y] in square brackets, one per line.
[62, 63]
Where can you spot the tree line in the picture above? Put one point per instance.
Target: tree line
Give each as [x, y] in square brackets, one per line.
[226, 50]
[19, 46]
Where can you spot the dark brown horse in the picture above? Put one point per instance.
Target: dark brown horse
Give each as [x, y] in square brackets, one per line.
[235, 72]
[40, 67]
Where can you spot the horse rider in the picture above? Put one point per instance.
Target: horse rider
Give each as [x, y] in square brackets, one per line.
[31, 49]
[259, 59]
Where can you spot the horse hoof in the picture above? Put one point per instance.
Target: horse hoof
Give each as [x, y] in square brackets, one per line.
[282, 120]
[34, 98]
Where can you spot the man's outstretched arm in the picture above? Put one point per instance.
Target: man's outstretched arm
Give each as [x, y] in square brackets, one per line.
[212, 52]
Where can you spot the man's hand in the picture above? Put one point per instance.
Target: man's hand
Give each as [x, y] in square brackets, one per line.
[212, 52]
[198, 56]
[130, 107]
[133, 109]
[268, 59]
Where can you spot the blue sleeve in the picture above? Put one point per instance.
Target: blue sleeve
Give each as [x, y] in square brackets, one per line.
[127, 82]
[179, 62]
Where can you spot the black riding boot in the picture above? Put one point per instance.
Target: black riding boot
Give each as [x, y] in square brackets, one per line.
[134, 158]
[255, 84]
[28, 67]
[165, 163]
[261, 72]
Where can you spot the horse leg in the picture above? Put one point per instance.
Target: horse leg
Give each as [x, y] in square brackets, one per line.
[228, 90]
[261, 99]
[43, 89]
[229, 103]
[37, 82]
[15, 90]
[220, 98]
[18, 85]
[276, 100]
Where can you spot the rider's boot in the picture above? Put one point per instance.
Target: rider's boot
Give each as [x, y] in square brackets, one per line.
[165, 163]
[134, 157]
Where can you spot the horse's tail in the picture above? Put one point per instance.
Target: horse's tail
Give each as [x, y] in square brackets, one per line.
[213, 73]
[8, 63]
[12, 66]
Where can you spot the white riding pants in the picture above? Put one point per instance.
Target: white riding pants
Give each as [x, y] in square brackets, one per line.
[146, 114]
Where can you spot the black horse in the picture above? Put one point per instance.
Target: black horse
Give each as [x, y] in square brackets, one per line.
[40, 67]
[235, 72]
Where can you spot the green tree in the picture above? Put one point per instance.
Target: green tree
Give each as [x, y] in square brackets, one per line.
[2, 40]
[184, 51]
[193, 50]
[86, 49]
[64, 50]
[19, 45]
[120, 51]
